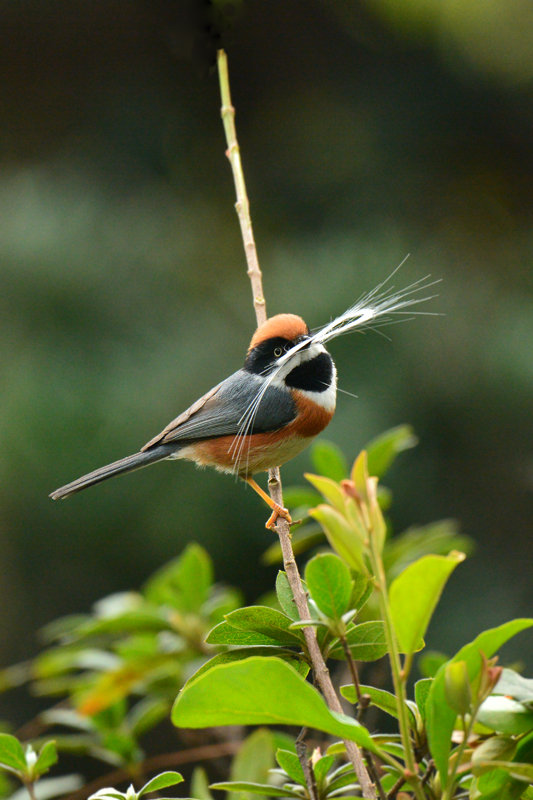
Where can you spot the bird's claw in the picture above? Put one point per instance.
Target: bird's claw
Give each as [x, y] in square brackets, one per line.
[278, 511]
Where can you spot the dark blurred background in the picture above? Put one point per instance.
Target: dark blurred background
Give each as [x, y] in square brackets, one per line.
[368, 130]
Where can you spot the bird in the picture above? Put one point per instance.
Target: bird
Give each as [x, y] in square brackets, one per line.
[258, 418]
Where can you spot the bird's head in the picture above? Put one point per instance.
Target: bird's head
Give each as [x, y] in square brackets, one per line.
[282, 349]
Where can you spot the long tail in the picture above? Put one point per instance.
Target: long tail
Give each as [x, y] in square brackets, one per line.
[136, 461]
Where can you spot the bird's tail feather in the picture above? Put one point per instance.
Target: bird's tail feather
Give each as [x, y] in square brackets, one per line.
[135, 461]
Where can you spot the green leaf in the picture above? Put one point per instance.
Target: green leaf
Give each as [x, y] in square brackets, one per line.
[12, 753]
[185, 582]
[414, 595]
[328, 460]
[290, 763]
[505, 715]
[200, 784]
[161, 781]
[383, 450]
[292, 658]
[522, 772]
[330, 491]
[457, 687]
[360, 474]
[422, 688]
[47, 757]
[329, 582]
[440, 718]
[265, 621]
[384, 700]
[261, 691]
[341, 536]
[255, 758]
[224, 633]
[367, 642]
[496, 748]
[321, 769]
[514, 685]
[254, 788]
[285, 596]
[361, 590]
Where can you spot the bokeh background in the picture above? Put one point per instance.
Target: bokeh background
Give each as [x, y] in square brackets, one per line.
[369, 129]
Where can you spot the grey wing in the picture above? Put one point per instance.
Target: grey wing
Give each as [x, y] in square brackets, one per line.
[222, 411]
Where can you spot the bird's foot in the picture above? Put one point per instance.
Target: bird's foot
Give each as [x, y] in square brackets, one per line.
[277, 511]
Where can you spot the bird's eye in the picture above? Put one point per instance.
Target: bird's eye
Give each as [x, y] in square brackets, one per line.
[278, 351]
[288, 347]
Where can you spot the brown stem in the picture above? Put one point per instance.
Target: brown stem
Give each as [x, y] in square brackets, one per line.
[243, 211]
[301, 752]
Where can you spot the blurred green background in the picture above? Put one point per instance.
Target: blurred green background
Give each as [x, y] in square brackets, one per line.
[368, 130]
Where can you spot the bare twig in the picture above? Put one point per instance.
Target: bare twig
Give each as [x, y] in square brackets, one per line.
[243, 211]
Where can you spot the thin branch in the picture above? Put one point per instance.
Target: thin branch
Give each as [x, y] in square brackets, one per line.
[243, 211]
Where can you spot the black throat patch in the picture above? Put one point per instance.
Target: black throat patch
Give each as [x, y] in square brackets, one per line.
[312, 376]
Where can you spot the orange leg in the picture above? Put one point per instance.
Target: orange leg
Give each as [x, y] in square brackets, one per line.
[277, 510]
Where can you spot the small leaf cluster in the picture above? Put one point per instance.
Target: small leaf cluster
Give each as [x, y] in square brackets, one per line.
[24, 762]
[289, 780]
[120, 667]
[161, 781]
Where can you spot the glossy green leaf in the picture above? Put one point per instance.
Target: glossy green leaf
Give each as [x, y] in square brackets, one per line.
[285, 596]
[341, 536]
[422, 688]
[329, 460]
[297, 663]
[261, 691]
[330, 491]
[161, 781]
[440, 717]
[290, 763]
[384, 700]
[321, 769]
[266, 621]
[254, 788]
[329, 582]
[414, 594]
[367, 642]
[383, 450]
[224, 633]
[46, 758]
[12, 753]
